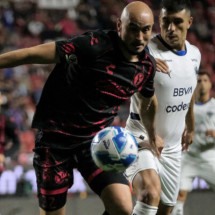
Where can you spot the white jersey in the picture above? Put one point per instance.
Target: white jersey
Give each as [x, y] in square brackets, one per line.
[204, 120]
[173, 92]
[199, 161]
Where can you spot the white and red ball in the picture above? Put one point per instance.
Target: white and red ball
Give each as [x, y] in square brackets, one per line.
[114, 149]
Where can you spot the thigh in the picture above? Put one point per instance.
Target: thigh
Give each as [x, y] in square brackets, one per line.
[112, 187]
[54, 172]
[207, 171]
[189, 170]
[145, 161]
[169, 170]
[96, 178]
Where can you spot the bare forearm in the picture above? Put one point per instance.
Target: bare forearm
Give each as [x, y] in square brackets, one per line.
[15, 58]
[148, 117]
[148, 111]
[190, 124]
[41, 54]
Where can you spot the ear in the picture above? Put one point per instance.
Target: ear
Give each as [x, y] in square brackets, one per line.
[118, 25]
[190, 22]
[160, 20]
[211, 84]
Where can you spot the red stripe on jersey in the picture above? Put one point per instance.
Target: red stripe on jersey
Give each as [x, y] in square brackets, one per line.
[94, 174]
[53, 192]
[69, 48]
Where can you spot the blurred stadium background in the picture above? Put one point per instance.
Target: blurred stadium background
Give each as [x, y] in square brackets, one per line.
[25, 23]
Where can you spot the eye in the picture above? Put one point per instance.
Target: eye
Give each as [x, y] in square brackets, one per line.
[175, 21]
[146, 29]
[133, 28]
[178, 21]
[165, 21]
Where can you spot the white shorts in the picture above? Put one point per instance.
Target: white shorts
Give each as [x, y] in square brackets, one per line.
[168, 168]
[199, 165]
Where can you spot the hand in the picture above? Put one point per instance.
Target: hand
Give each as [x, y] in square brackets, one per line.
[187, 140]
[161, 66]
[156, 145]
[210, 133]
[159, 144]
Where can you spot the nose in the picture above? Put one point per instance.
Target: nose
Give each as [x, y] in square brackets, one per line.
[140, 35]
[171, 26]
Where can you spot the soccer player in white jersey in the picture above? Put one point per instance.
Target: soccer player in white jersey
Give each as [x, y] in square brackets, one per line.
[200, 159]
[155, 179]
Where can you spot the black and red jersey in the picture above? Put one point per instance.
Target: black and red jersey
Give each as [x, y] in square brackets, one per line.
[83, 93]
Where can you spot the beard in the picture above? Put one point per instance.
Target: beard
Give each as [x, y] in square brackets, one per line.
[202, 92]
[130, 51]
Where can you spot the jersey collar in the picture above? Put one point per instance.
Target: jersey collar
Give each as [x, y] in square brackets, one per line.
[179, 53]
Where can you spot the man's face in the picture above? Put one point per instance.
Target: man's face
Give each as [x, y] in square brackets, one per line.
[174, 27]
[135, 32]
[204, 85]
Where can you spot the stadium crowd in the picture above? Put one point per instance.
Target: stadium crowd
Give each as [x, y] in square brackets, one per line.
[25, 23]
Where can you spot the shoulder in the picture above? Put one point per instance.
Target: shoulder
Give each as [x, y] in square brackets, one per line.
[100, 34]
[192, 48]
[149, 57]
[89, 45]
[154, 42]
[89, 38]
[148, 61]
[213, 100]
[155, 45]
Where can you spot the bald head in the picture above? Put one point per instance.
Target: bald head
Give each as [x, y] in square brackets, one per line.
[135, 26]
[138, 11]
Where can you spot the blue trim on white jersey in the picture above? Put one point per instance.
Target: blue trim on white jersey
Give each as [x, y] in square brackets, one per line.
[179, 53]
[202, 103]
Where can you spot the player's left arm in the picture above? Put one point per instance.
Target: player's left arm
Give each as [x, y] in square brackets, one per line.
[188, 134]
[148, 108]
[210, 133]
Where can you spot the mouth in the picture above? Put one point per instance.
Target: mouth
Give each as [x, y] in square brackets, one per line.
[172, 37]
[139, 45]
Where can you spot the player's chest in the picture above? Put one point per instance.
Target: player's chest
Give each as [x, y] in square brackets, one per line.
[180, 81]
[115, 69]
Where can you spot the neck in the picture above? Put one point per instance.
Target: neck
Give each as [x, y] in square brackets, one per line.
[131, 57]
[203, 98]
[179, 50]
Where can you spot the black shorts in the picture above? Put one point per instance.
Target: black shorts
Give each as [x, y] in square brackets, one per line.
[54, 170]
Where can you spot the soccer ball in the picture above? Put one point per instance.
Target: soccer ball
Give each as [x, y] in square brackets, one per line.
[114, 149]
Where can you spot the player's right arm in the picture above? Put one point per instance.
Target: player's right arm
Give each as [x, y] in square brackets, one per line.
[40, 54]
[187, 137]
[147, 109]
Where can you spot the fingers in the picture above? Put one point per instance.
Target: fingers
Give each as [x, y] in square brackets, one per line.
[185, 145]
[159, 145]
[155, 146]
[161, 66]
[210, 133]
[157, 153]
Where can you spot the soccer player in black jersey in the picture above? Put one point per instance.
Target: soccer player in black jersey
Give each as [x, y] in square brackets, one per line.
[94, 74]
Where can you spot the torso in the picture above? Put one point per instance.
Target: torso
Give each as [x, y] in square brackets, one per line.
[174, 93]
[204, 120]
[86, 97]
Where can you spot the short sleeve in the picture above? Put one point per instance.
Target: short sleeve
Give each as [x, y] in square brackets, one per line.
[148, 88]
[82, 49]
